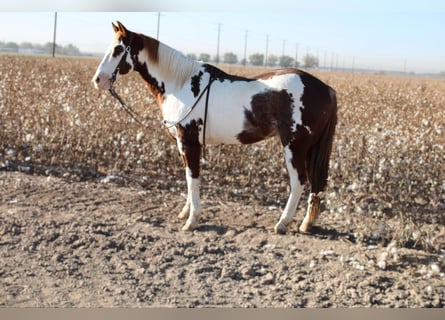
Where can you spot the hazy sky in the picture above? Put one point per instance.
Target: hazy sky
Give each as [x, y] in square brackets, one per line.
[391, 35]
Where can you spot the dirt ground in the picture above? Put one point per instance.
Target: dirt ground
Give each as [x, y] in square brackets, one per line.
[99, 243]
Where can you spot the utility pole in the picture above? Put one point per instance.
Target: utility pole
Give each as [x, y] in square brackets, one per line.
[159, 23]
[296, 55]
[324, 60]
[54, 37]
[267, 49]
[245, 48]
[217, 48]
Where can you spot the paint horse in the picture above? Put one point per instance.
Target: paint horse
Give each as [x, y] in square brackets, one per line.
[290, 103]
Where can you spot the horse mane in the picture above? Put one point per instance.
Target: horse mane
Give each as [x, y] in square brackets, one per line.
[172, 64]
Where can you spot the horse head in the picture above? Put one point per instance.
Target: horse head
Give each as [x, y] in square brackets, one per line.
[117, 60]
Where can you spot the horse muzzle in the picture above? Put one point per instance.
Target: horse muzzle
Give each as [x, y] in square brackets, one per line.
[101, 81]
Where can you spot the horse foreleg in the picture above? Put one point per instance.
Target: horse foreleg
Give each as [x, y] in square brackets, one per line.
[186, 210]
[191, 152]
[193, 205]
[294, 165]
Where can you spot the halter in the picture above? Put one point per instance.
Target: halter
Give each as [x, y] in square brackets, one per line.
[133, 114]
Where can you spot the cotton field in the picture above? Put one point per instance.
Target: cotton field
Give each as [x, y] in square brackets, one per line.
[387, 167]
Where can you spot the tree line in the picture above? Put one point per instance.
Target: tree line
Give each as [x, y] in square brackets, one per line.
[35, 48]
[255, 59]
[258, 59]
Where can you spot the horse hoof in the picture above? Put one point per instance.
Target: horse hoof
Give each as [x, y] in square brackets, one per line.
[188, 227]
[280, 229]
[183, 215]
[305, 228]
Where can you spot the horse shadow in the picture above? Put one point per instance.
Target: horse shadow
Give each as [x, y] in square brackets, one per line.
[323, 233]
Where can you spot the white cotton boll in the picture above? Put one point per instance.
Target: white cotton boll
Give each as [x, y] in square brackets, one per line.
[326, 252]
[435, 269]
[382, 264]
[139, 136]
[29, 137]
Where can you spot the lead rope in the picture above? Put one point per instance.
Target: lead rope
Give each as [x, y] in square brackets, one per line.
[124, 106]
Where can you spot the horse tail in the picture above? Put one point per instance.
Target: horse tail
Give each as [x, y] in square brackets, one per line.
[318, 156]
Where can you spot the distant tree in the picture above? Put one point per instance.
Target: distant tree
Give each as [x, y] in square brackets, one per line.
[70, 50]
[48, 48]
[26, 45]
[272, 60]
[310, 61]
[256, 59]
[204, 57]
[286, 61]
[230, 58]
[191, 56]
[12, 46]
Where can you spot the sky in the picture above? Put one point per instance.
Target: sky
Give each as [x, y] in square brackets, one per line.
[398, 35]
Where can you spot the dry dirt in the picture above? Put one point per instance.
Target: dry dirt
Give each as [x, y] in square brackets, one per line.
[105, 242]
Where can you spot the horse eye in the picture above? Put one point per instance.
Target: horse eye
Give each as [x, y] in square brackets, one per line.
[117, 51]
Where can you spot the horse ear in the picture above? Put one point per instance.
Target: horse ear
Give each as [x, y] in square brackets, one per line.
[115, 28]
[122, 28]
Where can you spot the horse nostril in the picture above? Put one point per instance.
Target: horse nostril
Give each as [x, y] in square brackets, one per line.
[97, 80]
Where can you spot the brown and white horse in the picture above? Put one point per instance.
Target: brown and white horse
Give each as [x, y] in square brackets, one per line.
[202, 104]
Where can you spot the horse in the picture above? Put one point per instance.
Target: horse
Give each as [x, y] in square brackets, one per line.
[289, 102]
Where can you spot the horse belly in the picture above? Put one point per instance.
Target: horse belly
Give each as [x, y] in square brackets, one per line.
[224, 123]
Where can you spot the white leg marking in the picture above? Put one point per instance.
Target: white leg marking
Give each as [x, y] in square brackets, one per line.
[295, 194]
[193, 201]
[186, 210]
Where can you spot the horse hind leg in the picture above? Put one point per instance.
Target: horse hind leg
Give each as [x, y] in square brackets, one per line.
[317, 163]
[296, 167]
[313, 210]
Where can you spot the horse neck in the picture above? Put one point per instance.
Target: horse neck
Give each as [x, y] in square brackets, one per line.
[168, 71]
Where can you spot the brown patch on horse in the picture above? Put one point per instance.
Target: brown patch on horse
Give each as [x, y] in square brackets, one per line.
[317, 102]
[222, 76]
[117, 51]
[152, 47]
[191, 148]
[156, 89]
[196, 83]
[271, 112]
[140, 42]
[278, 72]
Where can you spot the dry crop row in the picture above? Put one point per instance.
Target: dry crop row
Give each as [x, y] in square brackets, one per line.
[387, 162]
